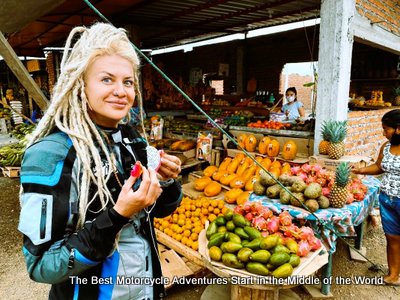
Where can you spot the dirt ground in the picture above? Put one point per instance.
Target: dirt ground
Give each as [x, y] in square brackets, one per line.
[15, 284]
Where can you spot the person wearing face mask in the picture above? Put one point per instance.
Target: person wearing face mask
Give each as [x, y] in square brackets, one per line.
[293, 109]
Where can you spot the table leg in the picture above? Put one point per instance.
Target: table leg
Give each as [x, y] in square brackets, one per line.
[326, 276]
[360, 232]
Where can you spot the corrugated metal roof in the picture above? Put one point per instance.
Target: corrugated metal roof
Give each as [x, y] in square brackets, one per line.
[160, 23]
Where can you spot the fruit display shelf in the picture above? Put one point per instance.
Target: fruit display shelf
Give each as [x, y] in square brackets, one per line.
[275, 132]
[308, 266]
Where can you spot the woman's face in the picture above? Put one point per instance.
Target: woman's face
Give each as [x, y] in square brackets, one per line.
[110, 90]
[290, 96]
[392, 134]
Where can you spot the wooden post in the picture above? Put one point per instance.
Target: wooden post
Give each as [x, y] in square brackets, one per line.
[240, 292]
[19, 70]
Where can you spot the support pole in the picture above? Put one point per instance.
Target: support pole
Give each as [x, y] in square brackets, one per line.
[334, 62]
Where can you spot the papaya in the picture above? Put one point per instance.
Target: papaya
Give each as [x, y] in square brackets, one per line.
[242, 167]
[243, 197]
[227, 178]
[224, 164]
[232, 167]
[273, 148]
[250, 143]
[186, 145]
[241, 138]
[210, 170]
[248, 173]
[238, 182]
[175, 146]
[262, 146]
[249, 183]
[289, 150]
[212, 189]
[257, 268]
[218, 175]
[232, 195]
[201, 183]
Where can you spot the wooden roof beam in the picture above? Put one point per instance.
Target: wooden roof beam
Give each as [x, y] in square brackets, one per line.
[19, 70]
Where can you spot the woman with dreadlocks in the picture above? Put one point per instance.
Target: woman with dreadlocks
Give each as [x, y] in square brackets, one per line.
[388, 164]
[86, 219]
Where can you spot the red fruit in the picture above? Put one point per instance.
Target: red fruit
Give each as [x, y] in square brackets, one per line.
[136, 170]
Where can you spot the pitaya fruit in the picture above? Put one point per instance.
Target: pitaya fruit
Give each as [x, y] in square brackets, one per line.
[350, 198]
[264, 233]
[256, 208]
[314, 243]
[266, 213]
[304, 248]
[239, 210]
[326, 191]
[273, 224]
[295, 170]
[305, 233]
[260, 223]
[306, 168]
[285, 218]
[249, 216]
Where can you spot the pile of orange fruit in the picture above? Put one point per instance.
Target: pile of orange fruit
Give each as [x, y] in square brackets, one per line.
[188, 220]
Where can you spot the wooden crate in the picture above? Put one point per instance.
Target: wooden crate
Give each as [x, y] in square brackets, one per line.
[11, 172]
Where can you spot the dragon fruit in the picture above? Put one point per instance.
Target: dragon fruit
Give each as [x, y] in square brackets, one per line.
[304, 248]
[305, 233]
[264, 233]
[239, 210]
[266, 213]
[306, 168]
[249, 216]
[314, 243]
[326, 191]
[273, 224]
[285, 218]
[350, 198]
[260, 223]
[290, 231]
[295, 170]
[256, 208]
[302, 175]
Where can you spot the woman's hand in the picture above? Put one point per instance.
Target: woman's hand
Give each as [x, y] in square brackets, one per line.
[170, 166]
[131, 202]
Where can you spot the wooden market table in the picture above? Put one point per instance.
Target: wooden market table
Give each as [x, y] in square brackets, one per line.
[346, 221]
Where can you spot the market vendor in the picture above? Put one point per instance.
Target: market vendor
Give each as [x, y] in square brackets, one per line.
[293, 109]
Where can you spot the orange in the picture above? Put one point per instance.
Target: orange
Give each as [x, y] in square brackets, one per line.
[214, 203]
[181, 222]
[181, 210]
[192, 207]
[184, 240]
[212, 217]
[216, 211]
[178, 237]
[194, 236]
[210, 208]
[195, 245]
[186, 233]
[224, 209]
[220, 204]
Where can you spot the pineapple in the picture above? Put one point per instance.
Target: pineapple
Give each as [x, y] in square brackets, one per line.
[338, 194]
[324, 144]
[337, 133]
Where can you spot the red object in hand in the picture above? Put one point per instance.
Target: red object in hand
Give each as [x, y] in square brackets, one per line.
[136, 170]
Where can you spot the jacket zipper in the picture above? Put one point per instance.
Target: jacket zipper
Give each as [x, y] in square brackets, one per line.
[71, 259]
[43, 219]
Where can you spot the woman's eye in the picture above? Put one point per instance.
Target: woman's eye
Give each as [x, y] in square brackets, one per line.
[129, 83]
[106, 80]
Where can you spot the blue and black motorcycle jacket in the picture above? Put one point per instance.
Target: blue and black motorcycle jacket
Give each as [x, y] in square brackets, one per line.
[111, 256]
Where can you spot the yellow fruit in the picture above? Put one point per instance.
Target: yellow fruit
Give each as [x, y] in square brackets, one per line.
[201, 183]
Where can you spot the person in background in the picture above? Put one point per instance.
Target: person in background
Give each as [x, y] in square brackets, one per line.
[293, 109]
[388, 164]
[87, 220]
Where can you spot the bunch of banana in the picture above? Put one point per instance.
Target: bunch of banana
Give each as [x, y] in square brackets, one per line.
[21, 130]
[11, 155]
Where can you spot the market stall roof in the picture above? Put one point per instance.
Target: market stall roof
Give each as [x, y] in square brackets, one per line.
[31, 26]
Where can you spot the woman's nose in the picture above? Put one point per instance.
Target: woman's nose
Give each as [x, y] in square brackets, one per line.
[120, 90]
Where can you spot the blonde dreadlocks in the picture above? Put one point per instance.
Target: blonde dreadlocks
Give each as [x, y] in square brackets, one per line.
[68, 110]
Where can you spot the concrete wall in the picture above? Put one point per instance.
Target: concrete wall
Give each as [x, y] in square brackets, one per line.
[384, 13]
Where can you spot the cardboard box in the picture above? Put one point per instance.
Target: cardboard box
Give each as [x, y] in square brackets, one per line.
[331, 164]
[189, 153]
